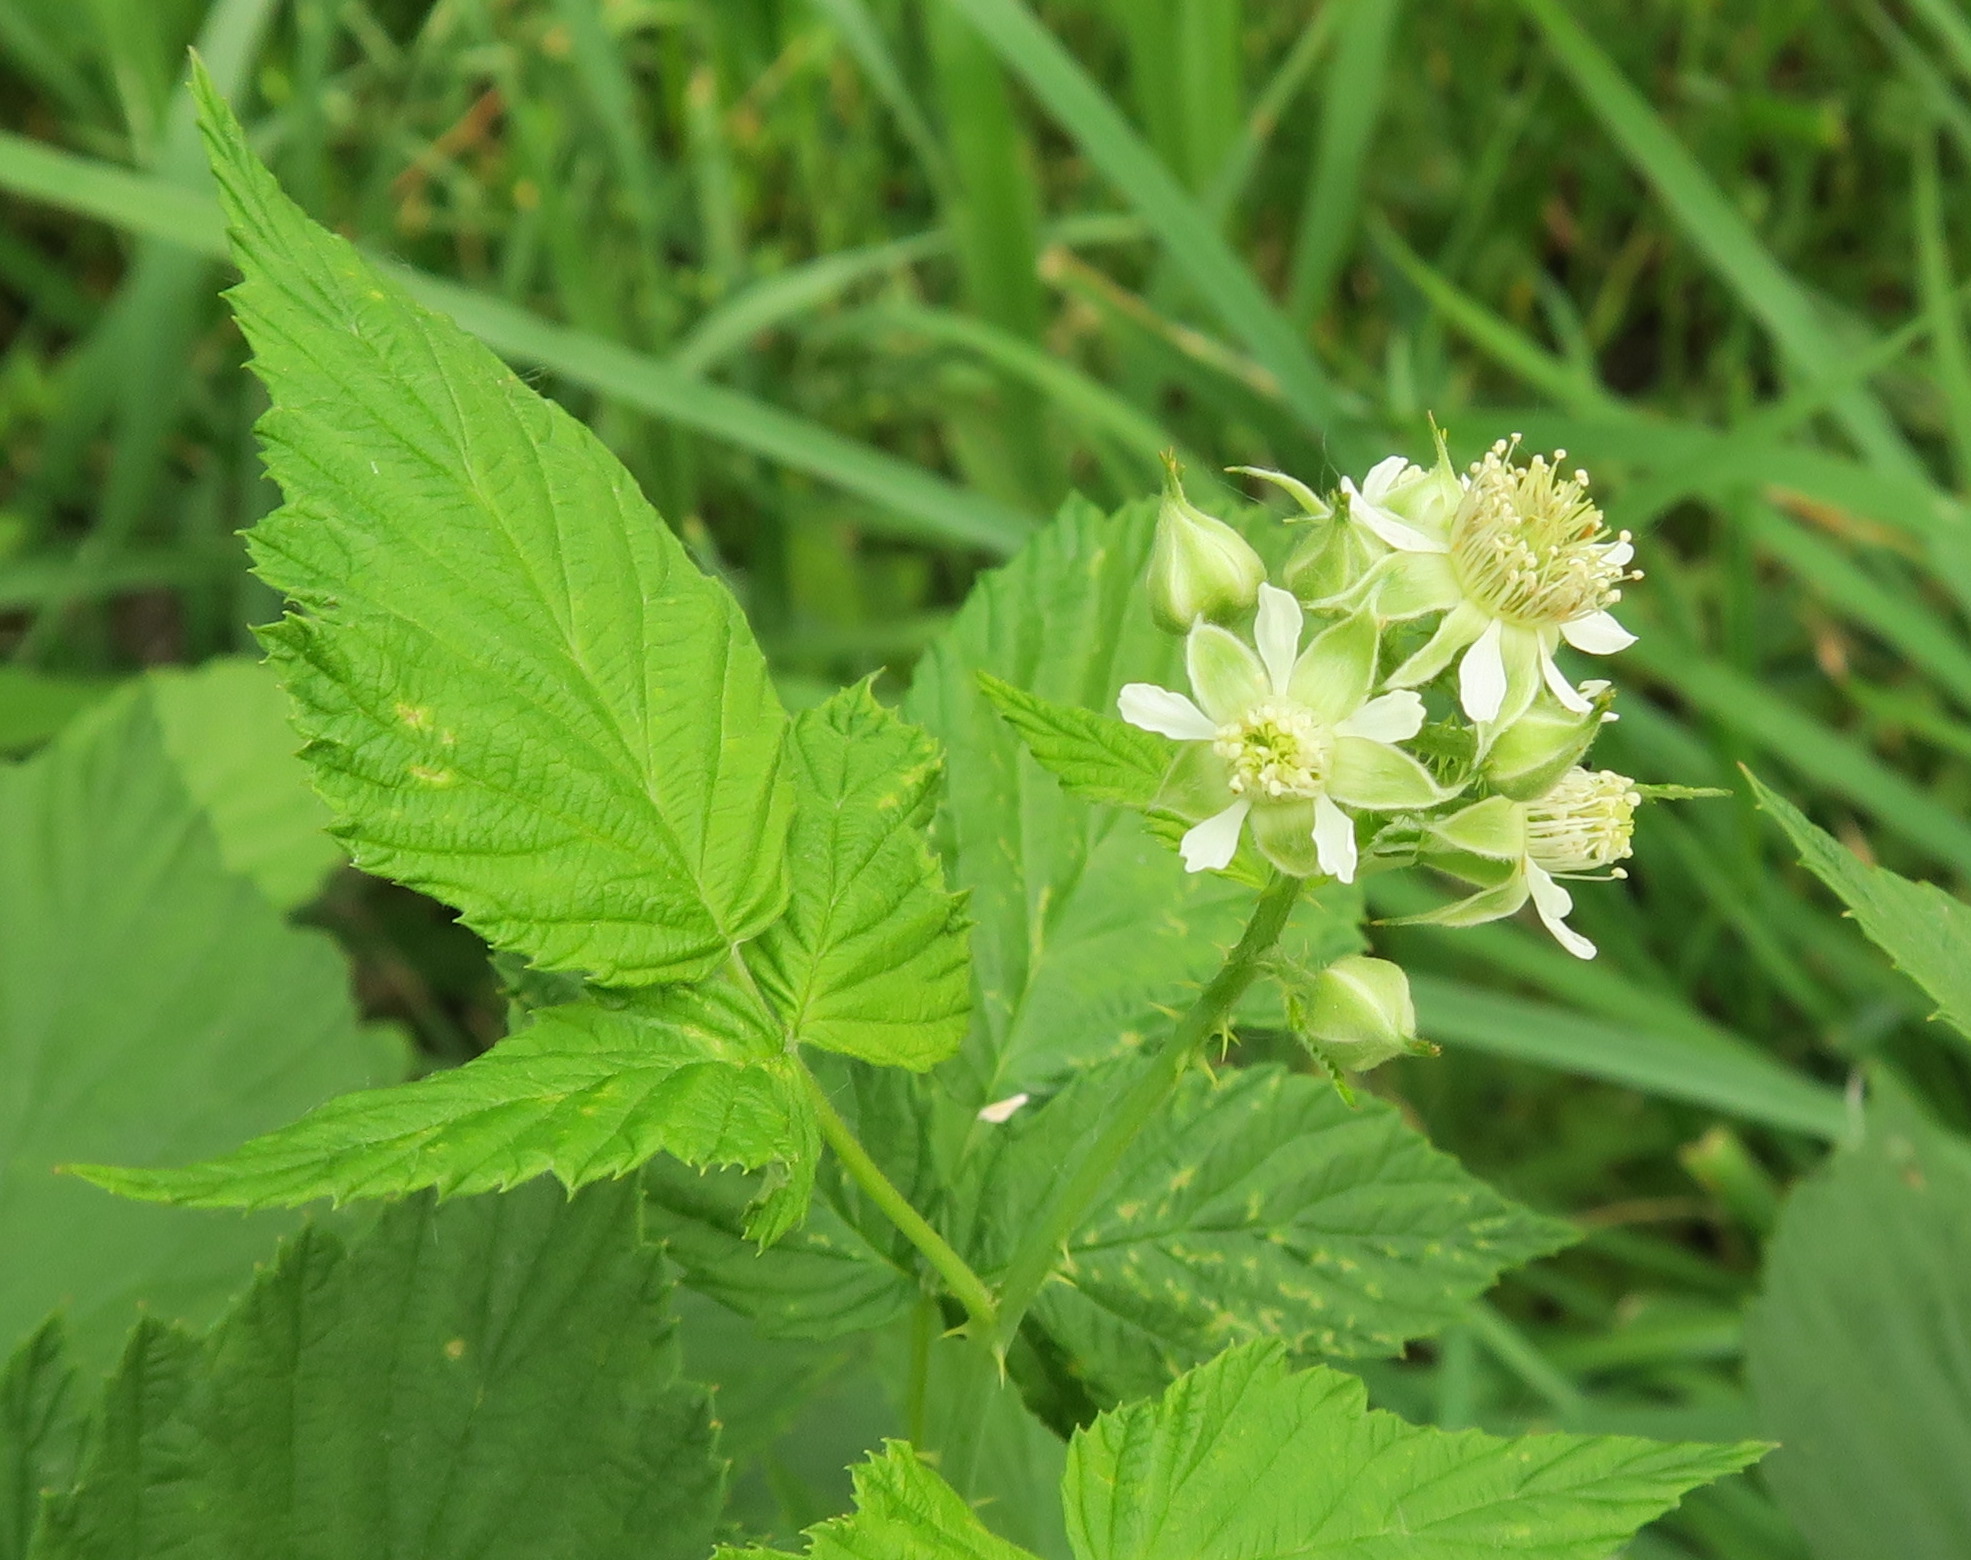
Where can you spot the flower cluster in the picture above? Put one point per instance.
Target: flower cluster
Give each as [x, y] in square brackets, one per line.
[1393, 693]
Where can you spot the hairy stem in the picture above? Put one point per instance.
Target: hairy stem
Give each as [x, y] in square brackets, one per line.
[1037, 1255]
[968, 1288]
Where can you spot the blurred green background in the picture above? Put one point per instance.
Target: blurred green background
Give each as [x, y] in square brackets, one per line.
[862, 289]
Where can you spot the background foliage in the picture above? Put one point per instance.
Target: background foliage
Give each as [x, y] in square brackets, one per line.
[862, 289]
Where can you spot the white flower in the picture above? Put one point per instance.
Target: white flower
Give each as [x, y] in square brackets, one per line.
[1521, 850]
[1519, 564]
[1283, 739]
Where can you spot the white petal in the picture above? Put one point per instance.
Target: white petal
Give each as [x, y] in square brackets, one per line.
[1277, 633]
[1620, 553]
[1597, 634]
[1383, 476]
[1385, 525]
[1553, 902]
[999, 1112]
[1482, 675]
[1394, 717]
[1167, 714]
[1334, 840]
[1563, 690]
[1213, 843]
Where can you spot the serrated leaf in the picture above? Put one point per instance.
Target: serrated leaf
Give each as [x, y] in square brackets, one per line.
[904, 1511]
[493, 1379]
[1095, 756]
[1085, 927]
[824, 1280]
[42, 1417]
[152, 1004]
[226, 727]
[519, 693]
[583, 1092]
[870, 958]
[1259, 1206]
[1923, 929]
[1859, 1347]
[1244, 1457]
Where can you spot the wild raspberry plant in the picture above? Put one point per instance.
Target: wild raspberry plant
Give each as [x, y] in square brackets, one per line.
[903, 1021]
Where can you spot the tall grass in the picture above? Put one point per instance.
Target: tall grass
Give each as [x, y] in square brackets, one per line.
[862, 288]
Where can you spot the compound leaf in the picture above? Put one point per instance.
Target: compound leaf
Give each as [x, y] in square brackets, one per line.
[226, 727]
[1922, 928]
[41, 1427]
[153, 1005]
[519, 693]
[1085, 927]
[869, 959]
[494, 1378]
[1245, 1457]
[904, 1511]
[1859, 1347]
[1260, 1206]
[583, 1092]
[1095, 756]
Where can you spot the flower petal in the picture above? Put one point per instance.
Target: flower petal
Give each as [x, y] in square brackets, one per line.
[1335, 673]
[1553, 902]
[1383, 476]
[1385, 525]
[1390, 717]
[1226, 676]
[1461, 625]
[1276, 630]
[1167, 714]
[1563, 690]
[1379, 778]
[999, 1112]
[1482, 675]
[1212, 844]
[1334, 840]
[1597, 634]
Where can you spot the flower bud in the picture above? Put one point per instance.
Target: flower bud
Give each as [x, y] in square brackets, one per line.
[1199, 566]
[1528, 757]
[1359, 1014]
[1330, 559]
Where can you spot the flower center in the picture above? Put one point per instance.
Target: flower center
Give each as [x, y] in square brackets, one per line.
[1530, 546]
[1275, 750]
[1584, 823]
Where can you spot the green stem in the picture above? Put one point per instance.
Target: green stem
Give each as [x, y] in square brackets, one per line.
[1037, 1255]
[957, 1274]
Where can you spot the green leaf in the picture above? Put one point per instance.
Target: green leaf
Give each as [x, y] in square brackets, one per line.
[583, 1092]
[870, 957]
[1086, 929]
[226, 727]
[152, 1005]
[825, 1280]
[1924, 930]
[492, 1378]
[1859, 1347]
[1094, 756]
[519, 693]
[36, 705]
[1243, 1457]
[41, 1429]
[904, 1511]
[1259, 1206]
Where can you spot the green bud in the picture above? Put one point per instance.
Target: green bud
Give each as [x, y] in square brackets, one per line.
[1329, 560]
[1199, 566]
[1358, 1014]
[1527, 759]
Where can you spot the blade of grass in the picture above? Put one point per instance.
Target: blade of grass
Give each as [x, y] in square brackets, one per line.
[864, 40]
[1274, 99]
[1193, 243]
[1351, 103]
[1751, 1087]
[1943, 308]
[1716, 227]
[918, 506]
